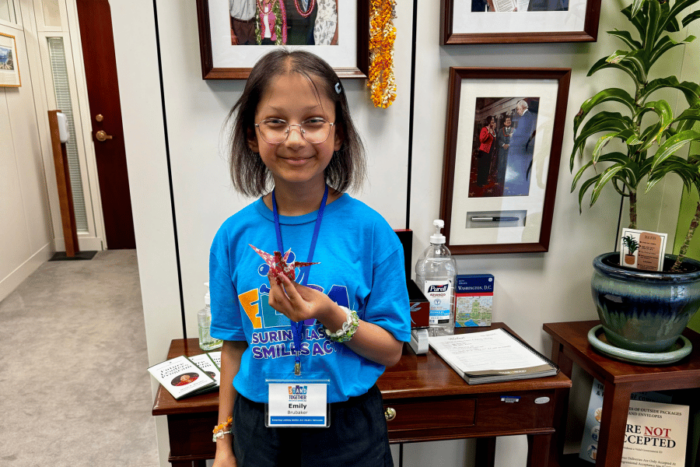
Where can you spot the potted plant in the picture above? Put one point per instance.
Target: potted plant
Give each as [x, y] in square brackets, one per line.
[642, 311]
[632, 246]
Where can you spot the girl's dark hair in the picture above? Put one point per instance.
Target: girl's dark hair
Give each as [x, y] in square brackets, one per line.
[488, 120]
[248, 173]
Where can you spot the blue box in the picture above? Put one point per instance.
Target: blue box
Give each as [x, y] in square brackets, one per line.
[473, 300]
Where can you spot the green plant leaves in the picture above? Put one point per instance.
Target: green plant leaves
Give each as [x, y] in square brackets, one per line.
[653, 27]
[603, 121]
[653, 20]
[636, 63]
[691, 17]
[680, 5]
[606, 95]
[636, 7]
[605, 177]
[665, 44]
[688, 118]
[664, 112]
[674, 164]
[627, 38]
[672, 145]
[637, 20]
[616, 157]
[690, 90]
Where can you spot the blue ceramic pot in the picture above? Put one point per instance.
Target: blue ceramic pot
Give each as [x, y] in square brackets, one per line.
[644, 311]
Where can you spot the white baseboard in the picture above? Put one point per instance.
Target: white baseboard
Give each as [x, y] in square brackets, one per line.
[16, 277]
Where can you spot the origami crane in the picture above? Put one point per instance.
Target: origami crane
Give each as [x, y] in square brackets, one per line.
[278, 264]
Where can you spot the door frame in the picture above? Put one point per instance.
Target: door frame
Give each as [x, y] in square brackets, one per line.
[69, 31]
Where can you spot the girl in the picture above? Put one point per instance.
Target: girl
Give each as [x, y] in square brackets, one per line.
[348, 313]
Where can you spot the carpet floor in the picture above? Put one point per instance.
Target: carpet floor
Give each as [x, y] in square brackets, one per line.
[74, 390]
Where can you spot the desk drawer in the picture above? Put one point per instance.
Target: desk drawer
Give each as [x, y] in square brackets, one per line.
[516, 410]
[428, 414]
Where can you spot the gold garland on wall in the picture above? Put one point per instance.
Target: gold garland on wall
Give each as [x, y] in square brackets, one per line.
[382, 35]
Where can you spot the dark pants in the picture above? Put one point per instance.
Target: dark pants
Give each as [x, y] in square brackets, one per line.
[357, 436]
[482, 174]
[244, 31]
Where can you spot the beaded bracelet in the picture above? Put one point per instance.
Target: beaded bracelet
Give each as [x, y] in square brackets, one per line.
[219, 429]
[349, 328]
[220, 434]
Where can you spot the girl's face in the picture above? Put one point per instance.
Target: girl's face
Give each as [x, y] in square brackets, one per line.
[295, 161]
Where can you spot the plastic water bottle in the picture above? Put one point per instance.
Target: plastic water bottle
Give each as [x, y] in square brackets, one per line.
[435, 275]
[206, 342]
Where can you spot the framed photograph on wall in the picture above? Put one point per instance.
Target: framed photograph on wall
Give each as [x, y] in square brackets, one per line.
[234, 34]
[502, 150]
[518, 21]
[9, 68]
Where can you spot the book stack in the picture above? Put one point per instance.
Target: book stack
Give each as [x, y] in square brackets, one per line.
[189, 376]
[491, 357]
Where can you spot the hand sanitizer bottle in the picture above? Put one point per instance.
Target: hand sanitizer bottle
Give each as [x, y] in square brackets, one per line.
[206, 342]
[435, 275]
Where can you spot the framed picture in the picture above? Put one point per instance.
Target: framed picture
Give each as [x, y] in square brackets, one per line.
[518, 21]
[502, 151]
[234, 34]
[9, 68]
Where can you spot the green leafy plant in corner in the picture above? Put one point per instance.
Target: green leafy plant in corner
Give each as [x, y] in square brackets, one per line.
[631, 244]
[651, 148]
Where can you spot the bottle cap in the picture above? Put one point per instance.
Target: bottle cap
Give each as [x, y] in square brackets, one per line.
[207, 299]
[437, 237]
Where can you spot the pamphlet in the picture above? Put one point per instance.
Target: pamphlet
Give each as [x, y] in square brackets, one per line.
[206, 364]
[491, 356]
[656, 432]
[181, 377]
[216, 358]
[642, 250]
[473, 300]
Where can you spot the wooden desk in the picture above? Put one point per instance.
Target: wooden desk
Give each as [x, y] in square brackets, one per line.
[570, 345]
[431, 401]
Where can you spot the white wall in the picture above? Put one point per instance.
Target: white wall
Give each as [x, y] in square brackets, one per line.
[25, 220]
[531, 289]
[535, 288]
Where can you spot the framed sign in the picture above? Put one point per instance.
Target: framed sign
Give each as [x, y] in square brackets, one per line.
[234, 34]
[9, 68]
[502, 151]
[518, 21]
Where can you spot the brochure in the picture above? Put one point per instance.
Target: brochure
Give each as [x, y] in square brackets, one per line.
[181, 377]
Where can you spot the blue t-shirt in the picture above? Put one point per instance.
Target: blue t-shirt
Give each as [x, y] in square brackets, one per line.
[361, 267]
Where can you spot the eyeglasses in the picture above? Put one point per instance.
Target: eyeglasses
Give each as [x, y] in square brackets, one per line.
[275, 130]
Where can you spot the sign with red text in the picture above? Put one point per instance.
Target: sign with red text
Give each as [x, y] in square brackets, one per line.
[656, 434]
[642, 250]
[591, 432]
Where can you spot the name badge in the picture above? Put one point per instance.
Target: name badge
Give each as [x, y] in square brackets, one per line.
[295, 404]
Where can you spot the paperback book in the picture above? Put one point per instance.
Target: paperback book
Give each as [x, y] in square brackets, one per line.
[181, 378]
[492, 356]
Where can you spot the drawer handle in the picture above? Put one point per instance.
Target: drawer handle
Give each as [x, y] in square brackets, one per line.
[389, 414]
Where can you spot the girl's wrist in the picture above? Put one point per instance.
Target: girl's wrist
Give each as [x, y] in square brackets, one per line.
[333, 318]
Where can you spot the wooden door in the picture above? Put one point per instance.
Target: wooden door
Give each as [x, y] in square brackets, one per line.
[105, 113]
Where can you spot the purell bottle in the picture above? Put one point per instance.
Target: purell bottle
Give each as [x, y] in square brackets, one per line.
[435, 275]
[206, 342]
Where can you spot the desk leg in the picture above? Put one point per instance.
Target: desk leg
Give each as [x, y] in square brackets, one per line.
[538, 450]
[562, 405]
[485, 452]
[616, 403]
